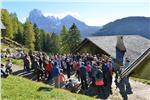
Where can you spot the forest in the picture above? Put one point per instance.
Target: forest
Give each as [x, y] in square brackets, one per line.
[36, 39]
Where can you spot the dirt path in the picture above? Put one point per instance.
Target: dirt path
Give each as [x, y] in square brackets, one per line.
[140, 91]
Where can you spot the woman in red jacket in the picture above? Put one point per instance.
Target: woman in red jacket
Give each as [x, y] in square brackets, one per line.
[49, 70]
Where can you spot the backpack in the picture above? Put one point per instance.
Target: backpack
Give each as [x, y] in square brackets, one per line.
[99, 75]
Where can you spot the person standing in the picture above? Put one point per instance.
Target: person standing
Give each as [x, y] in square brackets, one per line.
[120, 52]
[88, 70]
[77, 67]
[110, 74]
[32, 60]
[38, 68]
[56, 75]
[100, 83]
[68, 63]
[45, 62]
[127, 83]
[49, 70]
[26, 63]
[83, 76]
[93, 72]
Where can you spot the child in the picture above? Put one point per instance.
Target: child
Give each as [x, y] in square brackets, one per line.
[62, 78]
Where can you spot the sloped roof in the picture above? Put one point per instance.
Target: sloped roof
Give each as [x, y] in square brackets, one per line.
[139, 63]
[2, 25]
[134, 44]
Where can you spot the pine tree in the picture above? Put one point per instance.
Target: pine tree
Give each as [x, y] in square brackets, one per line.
[63, 40]
[43, 40]
[8, 23]
[29, 35]
[19, 37]
[74, 37]
[54, 43]
[48, 42]
[37, 38]
[15, 23]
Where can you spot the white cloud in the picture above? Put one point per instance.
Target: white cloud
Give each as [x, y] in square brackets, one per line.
[96, 21]
[62, 15]
[23, 19]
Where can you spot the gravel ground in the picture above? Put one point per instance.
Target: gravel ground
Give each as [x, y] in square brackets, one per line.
[140, 92]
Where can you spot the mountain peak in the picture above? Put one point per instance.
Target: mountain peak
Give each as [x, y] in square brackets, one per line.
[36, 12]
[54, 24]
[68, 17]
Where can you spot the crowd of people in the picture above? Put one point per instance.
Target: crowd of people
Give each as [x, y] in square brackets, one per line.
[90, 70]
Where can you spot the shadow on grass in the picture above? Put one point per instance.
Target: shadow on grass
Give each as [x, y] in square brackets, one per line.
[44, 89]
[93, 92]
[29, 75]
[18, 72]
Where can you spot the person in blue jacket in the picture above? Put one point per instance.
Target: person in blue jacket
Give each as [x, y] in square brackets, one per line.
[56, 74]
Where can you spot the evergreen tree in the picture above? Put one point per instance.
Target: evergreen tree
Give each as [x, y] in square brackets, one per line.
[43, 40]
[48, 42]
[37, 38]
[15, 23]
[29, 35]
[5, 17]
[74, 37]
[19, 37]
[63, 40]
[54, 43]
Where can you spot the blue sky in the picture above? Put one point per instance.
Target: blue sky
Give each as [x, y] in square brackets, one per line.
[92, 13]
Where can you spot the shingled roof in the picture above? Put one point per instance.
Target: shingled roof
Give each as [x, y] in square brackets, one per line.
[134, 44]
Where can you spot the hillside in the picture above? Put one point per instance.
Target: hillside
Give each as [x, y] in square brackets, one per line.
[127, 26]
[18, 88]
[52, 24]
[142, 70]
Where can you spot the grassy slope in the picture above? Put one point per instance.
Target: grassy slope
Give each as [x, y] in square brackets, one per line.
[141, 80]
[14, 61]
[18, 88]
[143, 70]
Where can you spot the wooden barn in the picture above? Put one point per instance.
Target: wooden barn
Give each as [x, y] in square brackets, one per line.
[134, 44]
[138, 51]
